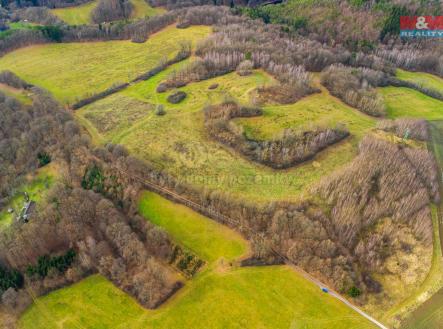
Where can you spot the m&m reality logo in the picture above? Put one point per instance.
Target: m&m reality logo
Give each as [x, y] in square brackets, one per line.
[421, 26]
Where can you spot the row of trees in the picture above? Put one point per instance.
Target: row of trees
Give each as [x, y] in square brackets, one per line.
[356, 87]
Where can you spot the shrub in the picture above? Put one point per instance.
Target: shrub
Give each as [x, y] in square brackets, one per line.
[43, 159]
[93, 179]
[161, 88]
[159, 110]
[354, 292]
[176, 97]
[10, 279]
[52, 32]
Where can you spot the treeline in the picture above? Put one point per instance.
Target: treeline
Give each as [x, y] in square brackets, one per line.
[38, 15]
[292, 148]
[356, 87]
[111, 10]
[138, 30]
[415, 56]
[14, 4]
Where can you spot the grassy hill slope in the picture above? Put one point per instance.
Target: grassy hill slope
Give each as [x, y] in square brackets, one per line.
[72, 71]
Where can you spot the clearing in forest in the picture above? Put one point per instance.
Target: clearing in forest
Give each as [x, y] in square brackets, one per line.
[36, 186]
[72, 71]
[222, 294]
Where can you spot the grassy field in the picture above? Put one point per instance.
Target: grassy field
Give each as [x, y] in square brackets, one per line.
[177, 142]
[19, 94]
[405, 102]
[426, 80]
[265, 297]
[36, 185]
[208, 239]
[222, 296]
[72, 71]
[79, 15]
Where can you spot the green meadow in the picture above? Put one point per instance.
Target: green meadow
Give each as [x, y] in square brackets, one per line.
[77, 15]
[80, 15]
[221, 296]
[405, 102]
[72, 71]
[208, 239]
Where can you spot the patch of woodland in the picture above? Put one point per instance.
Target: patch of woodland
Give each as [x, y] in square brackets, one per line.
[179, 4]
[281, 94]
[11, 79]
[176, 97]
[27, 131]
[424, 56]
[13, 4]
[385, 191]
[356, 87]
[286, 151]
[111, 10]
[405, 127]
[38, 15]
[246, 45]
[77, 230]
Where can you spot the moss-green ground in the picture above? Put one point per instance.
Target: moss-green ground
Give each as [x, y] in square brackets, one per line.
[79, 15]
[221, 296]
[72, 71]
